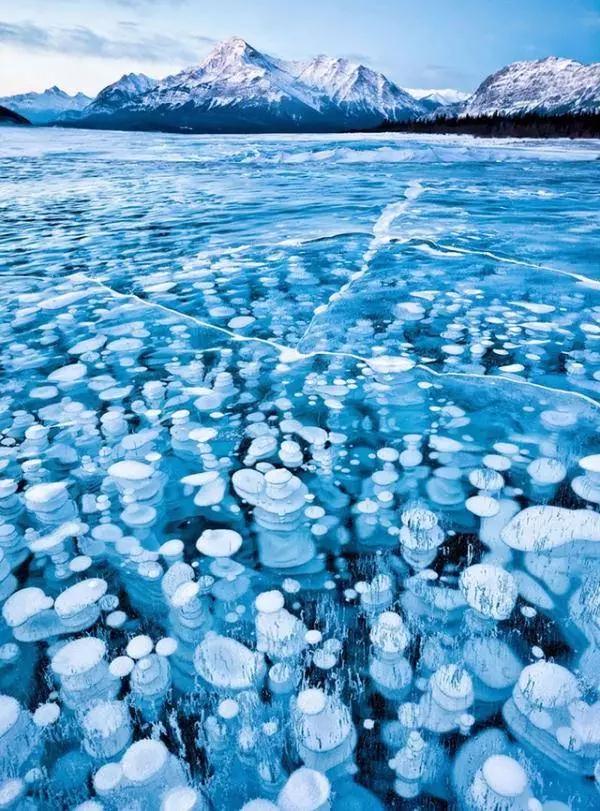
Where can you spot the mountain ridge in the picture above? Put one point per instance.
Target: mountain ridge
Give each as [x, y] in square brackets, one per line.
[47, 106]
[237, 88]
[549, 86]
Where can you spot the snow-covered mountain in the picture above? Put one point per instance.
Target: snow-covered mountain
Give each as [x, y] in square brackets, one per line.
[234, 76]
[355, 88]
[124, 92]
[42, 108]
[239, 89]
[438, 97]
[546, 86]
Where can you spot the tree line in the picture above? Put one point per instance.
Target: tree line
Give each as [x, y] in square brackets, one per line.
[527, 125]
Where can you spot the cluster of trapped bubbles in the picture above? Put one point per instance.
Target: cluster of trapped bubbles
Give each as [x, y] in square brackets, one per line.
[261, 555]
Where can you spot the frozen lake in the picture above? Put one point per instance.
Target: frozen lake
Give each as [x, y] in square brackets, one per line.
[299, 465]
[450, 224]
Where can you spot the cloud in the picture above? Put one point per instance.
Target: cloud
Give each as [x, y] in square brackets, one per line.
[82, 41]
[592, 20]
[363, 59]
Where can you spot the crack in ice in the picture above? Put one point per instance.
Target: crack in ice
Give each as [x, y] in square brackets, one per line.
[381, 236]
[290, 354]
[578, 277]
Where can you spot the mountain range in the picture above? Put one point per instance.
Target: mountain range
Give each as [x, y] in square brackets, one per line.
[46, 107]
[239, 89]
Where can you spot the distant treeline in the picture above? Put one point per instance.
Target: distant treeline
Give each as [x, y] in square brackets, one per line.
[529, 125]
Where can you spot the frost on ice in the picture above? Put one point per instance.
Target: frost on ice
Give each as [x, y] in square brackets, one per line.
[303, 531]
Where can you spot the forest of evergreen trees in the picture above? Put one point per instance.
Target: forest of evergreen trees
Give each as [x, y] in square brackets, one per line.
[529, 125]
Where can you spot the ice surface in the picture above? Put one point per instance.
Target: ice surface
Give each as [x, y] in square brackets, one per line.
[299, 472]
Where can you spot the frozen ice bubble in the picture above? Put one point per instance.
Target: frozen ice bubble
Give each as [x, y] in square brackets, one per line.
[385, 364]
[121, 666]
[139, 646]
[68, 374]
[305, 790]
[389, 634]
[11, 792]
[183, 798]
[311, 701]
[130, 470]
[78, 656]
[502, 779]
[452, 688]
[107, 728]
[546, 527]
[546, 470]
[228, 709]
[490, 590]
[143, 760]
[548, 685]
[482, 506]
[25, 604]
[219, 543]
[166, 646]
[269, 602]
[45, 496]
[227, 664]
[46, 714]
[79, 597]
[108, 778]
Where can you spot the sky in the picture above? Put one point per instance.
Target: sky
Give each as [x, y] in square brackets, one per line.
[87, 44]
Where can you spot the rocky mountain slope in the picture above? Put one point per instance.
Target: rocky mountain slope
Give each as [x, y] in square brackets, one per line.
[546, 86]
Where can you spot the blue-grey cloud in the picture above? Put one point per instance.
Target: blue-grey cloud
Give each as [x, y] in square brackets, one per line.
[83, 41]
[361, 58]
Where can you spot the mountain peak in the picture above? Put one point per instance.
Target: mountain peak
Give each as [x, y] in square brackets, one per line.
[234, 43]
[560, 61]
[351, 84]
[131, 83]
[232, 49]
[229, 59]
